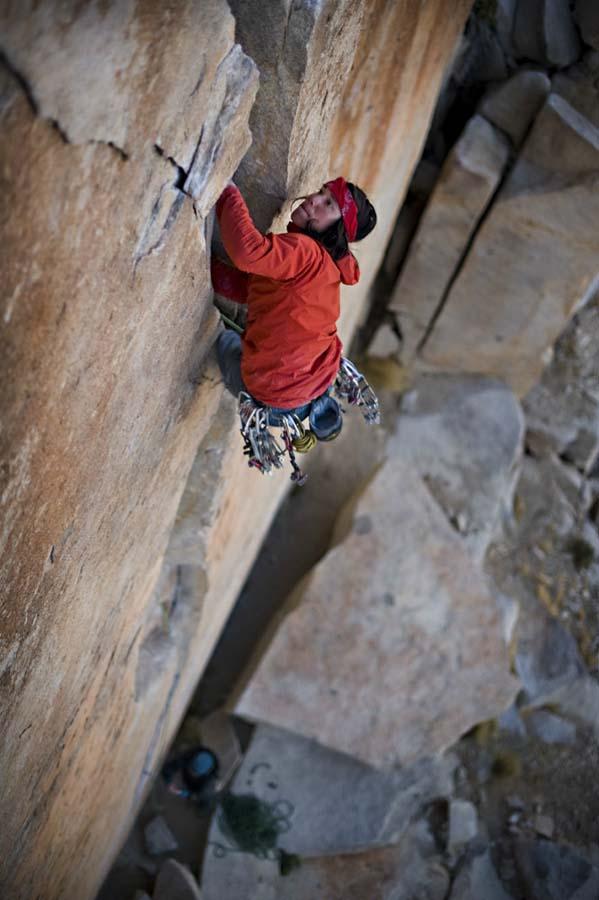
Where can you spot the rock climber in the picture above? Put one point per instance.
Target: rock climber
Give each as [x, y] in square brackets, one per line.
[290, 353]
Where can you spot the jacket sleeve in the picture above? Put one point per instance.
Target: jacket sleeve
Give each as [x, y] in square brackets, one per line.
[228, 281]
[278, 256]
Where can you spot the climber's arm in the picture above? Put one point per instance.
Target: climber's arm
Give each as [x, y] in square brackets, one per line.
[278, 256]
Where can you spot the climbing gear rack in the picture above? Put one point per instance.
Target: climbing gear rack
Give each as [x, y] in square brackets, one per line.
[261, 447]
[350, 385]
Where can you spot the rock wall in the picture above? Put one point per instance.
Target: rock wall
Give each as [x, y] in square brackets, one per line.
[505, 252]
[122, 123]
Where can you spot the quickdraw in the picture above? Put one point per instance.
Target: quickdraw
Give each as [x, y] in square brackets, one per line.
[259, 443]
[351, 385]
[265, 453]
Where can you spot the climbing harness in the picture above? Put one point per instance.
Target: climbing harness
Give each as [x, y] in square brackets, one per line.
[261, 447]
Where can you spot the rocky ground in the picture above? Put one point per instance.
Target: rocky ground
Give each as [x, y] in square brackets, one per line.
[412, 667]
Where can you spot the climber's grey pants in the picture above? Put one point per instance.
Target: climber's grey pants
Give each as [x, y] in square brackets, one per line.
[228, 349]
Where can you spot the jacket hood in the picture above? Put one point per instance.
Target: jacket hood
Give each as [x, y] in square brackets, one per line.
[349, 270]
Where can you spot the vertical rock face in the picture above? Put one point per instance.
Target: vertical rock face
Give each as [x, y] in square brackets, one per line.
[534, 260]
[121, 124]
[106, 324]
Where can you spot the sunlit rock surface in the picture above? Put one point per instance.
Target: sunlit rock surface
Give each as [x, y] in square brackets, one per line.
[121, 125]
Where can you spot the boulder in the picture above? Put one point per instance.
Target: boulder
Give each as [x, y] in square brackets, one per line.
[586, 13]
[534, 260]
[463, 434]
[378, 612]
[544, 31]
[532, 566]
[512, 106]
[552, 729]
[385, 342]
[562, 411]
[505, 11]
[463, 824]
[467, 181]
[175, 882]
[158, 837]
[579, 85]
[553, 872]
[476, 879]
[547, 655]
[405, 871]
[578, 699]
[326, 802]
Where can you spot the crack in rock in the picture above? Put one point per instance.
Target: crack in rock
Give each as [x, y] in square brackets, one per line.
[54, 123]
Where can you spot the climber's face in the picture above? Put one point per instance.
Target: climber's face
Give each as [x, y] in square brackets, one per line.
[318, 211]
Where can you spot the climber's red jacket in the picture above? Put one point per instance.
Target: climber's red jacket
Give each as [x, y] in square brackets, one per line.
[291, 285]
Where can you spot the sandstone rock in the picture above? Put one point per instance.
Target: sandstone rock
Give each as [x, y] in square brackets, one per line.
[545, 32]
[553, 872]
[158, 837]
[382, 610]
[587, 17]
[478, 879]
[73, 60]
[329, 802]
[512, 106]
[528, 296]
[175, 882]
[403, 872]
[107, 328]
[463, 434]
[467, 181]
